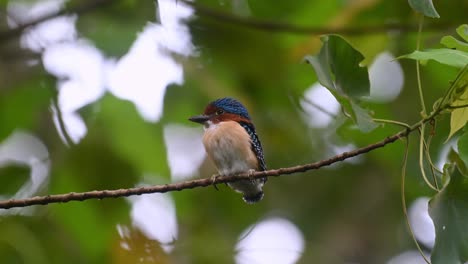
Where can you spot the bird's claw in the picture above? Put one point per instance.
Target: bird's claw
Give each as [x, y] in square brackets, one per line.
[250, 173]
[213, 181]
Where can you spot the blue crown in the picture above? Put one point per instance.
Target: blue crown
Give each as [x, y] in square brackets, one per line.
[232, 106]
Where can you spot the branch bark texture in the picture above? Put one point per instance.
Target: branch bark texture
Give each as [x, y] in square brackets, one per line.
[63, 198]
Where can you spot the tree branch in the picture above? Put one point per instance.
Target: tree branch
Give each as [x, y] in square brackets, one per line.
[278, 27]
[63, 198]
[87, 6]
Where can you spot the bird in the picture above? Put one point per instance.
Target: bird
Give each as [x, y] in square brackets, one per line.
[232, 144]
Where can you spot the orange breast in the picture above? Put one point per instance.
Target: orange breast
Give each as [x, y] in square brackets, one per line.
[229, 146]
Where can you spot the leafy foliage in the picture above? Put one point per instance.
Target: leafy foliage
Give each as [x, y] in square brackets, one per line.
[449, 211]
[453, 43]
[454, 58]
[337, 68]
[458, 97]
[356, 201]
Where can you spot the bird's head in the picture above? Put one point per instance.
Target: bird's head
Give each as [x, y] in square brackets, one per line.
[224, 109]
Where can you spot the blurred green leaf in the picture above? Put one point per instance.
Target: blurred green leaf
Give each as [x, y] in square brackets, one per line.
[453, 43]
[462, 30]
[455, 58]
[115, 28]
[426, 7]
[449, 211]
[18, 244]
[337, 68]
[138, 142]
[363, 118]
[22, 106]
[12, 178]
[463, 147]
[458, 96]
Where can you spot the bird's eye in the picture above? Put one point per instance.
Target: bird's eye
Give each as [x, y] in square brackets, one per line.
[220, 112]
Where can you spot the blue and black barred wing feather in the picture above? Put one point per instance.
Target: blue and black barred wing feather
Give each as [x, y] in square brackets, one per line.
[256, 145]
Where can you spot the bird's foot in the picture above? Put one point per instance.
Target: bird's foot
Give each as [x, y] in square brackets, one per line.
[213, 181]
[250, 173]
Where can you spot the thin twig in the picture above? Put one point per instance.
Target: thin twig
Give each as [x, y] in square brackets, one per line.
[392, 122]
[63, 198]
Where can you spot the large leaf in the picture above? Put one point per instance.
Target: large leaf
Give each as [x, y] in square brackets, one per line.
[136, 141]
[463, 147]
[425, 7]
[458, 96]
[455, 58]
[337, 68]
[449, 211]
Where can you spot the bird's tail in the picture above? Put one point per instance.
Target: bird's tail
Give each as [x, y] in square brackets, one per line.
[253, 198]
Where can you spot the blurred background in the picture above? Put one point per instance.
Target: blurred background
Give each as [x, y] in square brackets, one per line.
[97, 96]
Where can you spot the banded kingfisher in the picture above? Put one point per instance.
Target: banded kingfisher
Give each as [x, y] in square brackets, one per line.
[232, 144]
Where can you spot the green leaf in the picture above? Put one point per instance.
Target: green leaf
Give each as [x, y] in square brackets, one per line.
[455, 58]
[449, 211]
[453, 43]
[458, 96]
[463, 32]
[13, 177]
[458, 120]
[425, 7]
[114, 29]
[23, 104]
[136, 141]
[363, 118]
[337, 67]
[463, 147]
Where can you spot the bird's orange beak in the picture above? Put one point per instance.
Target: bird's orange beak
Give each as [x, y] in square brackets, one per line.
[200, 118]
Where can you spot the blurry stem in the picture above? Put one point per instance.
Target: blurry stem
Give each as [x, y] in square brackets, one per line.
[346, 113]
[429, 160]
[61, 123]
[403, 200]
[421, 159]
[393, 122]
[320, 108]
[457, 106]
[418, 76]
[423, 112]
